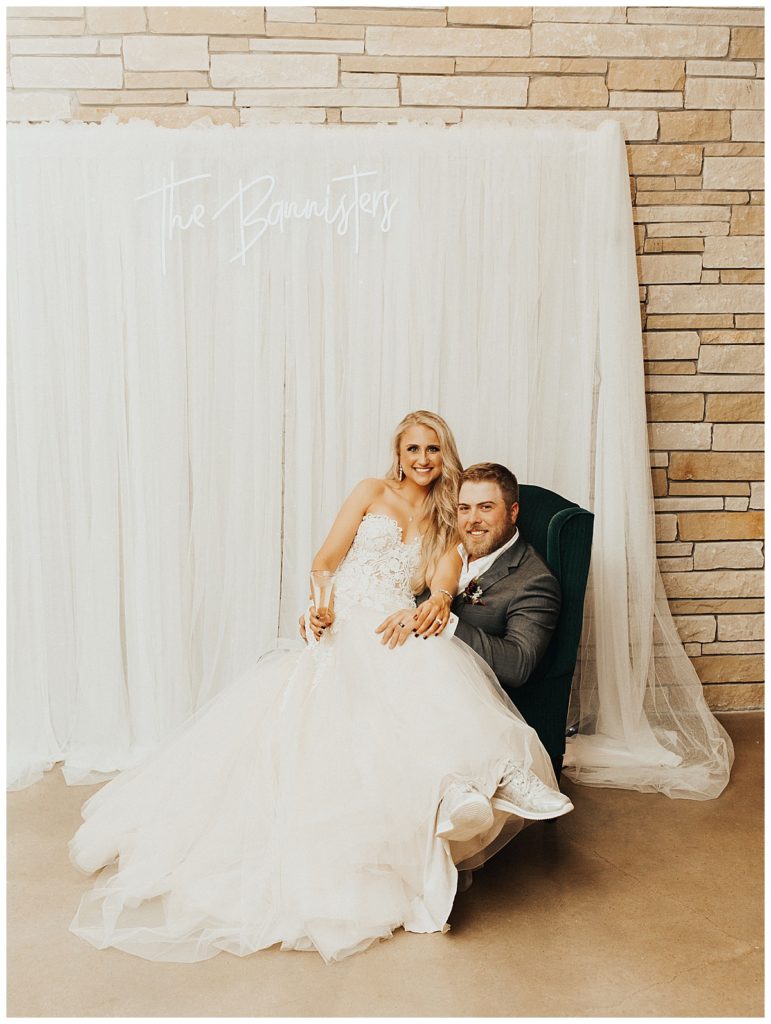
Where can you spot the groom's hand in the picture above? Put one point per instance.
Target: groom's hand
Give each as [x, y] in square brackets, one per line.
[432, 615]
[397, 628]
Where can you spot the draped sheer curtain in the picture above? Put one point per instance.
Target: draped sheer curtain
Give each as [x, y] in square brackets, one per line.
[195, 384]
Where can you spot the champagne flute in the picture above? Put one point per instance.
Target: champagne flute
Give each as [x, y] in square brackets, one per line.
[322, 590]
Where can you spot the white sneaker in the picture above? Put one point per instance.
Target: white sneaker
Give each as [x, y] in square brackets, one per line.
[463, 813]
[522, 792]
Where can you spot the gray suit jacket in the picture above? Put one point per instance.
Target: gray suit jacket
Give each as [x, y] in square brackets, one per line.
[511, 625]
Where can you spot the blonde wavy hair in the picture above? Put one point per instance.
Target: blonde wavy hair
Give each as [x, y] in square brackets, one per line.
[442, 499]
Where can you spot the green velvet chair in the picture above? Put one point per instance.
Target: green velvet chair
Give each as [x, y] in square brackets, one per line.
[561, 533]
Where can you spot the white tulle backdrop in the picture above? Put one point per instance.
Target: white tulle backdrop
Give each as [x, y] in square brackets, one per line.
[198, 376]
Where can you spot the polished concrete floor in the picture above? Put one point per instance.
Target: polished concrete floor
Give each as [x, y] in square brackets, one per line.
[634, 905]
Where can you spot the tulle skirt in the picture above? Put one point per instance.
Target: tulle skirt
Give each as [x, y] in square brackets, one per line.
[299, 805]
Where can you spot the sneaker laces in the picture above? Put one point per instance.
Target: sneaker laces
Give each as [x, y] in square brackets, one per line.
[526, 783]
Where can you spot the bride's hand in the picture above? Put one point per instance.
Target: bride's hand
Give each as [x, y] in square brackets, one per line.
[397, 627]
[318, 623]
[432, 615]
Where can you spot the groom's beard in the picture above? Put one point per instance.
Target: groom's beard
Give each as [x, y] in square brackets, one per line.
[478, 547]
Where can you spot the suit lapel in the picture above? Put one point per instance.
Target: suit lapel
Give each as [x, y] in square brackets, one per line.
[503, 565]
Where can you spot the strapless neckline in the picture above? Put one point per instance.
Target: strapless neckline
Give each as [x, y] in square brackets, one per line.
[383, 515]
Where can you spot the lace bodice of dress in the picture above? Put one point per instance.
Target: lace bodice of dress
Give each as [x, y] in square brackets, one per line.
[378, 568]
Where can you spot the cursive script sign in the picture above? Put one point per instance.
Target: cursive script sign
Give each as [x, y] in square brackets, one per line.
[259, 208]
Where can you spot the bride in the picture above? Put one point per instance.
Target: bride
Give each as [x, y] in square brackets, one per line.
[328, 796]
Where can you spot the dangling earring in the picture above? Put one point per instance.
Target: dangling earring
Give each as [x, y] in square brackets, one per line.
[401, 472]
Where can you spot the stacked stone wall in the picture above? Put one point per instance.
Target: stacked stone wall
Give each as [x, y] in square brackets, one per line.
[687, 86]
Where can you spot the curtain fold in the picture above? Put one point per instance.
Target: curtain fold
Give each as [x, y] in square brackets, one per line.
[198, 376]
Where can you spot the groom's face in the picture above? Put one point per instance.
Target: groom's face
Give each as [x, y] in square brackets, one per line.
[484, 521]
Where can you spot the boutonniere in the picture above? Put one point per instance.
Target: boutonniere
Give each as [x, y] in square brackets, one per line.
[473, 592]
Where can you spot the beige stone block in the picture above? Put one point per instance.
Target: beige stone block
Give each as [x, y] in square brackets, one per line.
[702, 487]
[696, 628]
[742, 276]
[698, 230]
[746, 320]
[116, 20]
[506, 16]
[400, 65]
[695, 125]
[655, 183]
[659, 100]
[716, 606]
[668, 367]
[276, 45]
[66, 72]
[705, 298]
[729, 555]
[228, 44]
[746, 42]
[680, 214]
[673, 345]
[747, 125]
[733, 251]
[315, 31]
[652, 269]
[476, 90]
[702, 196]
[646, 74]
[724, 93]
[681, 244]
[659, 479]
[394, 115]
[723, 668]
[167, 53]
[307, 14]
[636, 124]
[506, 65]
[715, 466]
[738, 437]
[452, 42]
[362, 80]
[675, 548]
[758, 495]
[628, 41]
[734, 408]
[731, 359]
[569, 91]
[38, 106]
[666, 527]
[210, 97]
[747, 220]
[733, 172]
[221, 21]
[714, 583]
[374, 16]
[695, 15]
[706, 382]
[107, 98]
[165, 80]
[180, 116]
[266, 70]
[317, 97]
[675, 408]
[668, 159]
[692, 650]
[734, 149]
[691, 321]
[721, 526]
[710, 277]
[688, 181]
[679, 435]
[61, 45]
[659, 458]
[737, 504]
[580, 65]
[676, 565]
[584, 15]
[111, 46]
[283, 115]
[40, 27]
[720, 69]
[739, 697]
[736, 647]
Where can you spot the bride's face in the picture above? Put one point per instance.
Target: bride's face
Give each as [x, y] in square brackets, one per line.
[420, 455]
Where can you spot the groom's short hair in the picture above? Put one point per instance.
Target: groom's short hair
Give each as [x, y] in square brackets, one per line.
[498, 474]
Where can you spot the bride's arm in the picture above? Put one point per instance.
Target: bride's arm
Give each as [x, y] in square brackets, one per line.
[433, 614]
[337, 542]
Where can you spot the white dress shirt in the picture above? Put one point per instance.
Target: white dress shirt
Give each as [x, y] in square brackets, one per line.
[471, 570]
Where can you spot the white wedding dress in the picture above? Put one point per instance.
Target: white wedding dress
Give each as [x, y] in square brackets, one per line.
[299, 805]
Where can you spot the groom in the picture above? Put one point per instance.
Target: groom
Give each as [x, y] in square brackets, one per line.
[508, 601]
